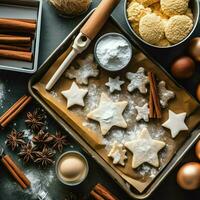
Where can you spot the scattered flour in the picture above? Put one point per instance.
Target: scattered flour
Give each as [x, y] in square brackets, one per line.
[2, 94]
[28, 134]
[40, 181]
[54, 94]
[147, 170]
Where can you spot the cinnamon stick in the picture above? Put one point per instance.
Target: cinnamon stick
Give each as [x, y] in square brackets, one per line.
[29, 45]
[17, 32]
[17, 170]
[156, 97]
[151, 105]
[154, 104]
[96, 196]
[16, 55]
[11, 170]
[14, 48]
[33, 21]
[10, 39]
[13, 24]
[104, 192]
[14, 110]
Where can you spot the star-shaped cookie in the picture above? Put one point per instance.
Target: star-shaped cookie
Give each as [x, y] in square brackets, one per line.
[114, 84]
[142, 112]
[164, 94]
[109, 114]
[145, 149]
[118, 153]
[176, 123]
[138, 81]
[74, 95]
[87, 69]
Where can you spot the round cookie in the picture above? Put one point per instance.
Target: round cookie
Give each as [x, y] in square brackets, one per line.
[151, 28]
[177, 28]
[147, 2]
[136, 11]
[174, 7]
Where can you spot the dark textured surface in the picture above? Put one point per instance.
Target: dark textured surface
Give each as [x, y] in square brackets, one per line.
[54, 30]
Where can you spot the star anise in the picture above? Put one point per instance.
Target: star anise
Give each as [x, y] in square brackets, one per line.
[27, 152]
[45, 157]
[35, 120]
[42, 139]
[59, 141]
[15, 139]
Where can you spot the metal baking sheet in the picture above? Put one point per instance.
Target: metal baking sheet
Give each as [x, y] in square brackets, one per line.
[195, 135]
[23, 9]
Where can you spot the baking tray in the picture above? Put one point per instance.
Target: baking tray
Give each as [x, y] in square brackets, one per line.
[194, 136]
[28, 9]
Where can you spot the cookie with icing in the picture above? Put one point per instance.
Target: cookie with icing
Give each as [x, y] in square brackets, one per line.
[142, 112]
[164, 94]
[138, 80]
[118, 153]
[175, 123]
[145, 149]
[87, 68]
[114, 84]
[109, 114]
[74, 95]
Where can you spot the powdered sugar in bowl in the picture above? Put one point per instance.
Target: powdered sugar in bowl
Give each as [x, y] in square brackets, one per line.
[113, 51]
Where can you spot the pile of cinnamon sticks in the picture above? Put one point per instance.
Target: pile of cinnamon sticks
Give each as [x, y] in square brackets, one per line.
[16, 172]
[154, 102]
[16, 36]
[14, 110]
[99, 192]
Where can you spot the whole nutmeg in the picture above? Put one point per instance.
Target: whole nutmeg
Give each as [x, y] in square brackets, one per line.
[183, 68]
[194, 48]
[197, 149]
[198, 92]
[188, 176]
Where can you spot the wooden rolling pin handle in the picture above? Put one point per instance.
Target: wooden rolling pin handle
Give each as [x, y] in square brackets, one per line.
[96, 21]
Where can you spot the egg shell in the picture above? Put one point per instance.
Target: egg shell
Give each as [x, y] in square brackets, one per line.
[188, 176]
[183, 68]
[197, 149]
[194, 48]
[198, 92]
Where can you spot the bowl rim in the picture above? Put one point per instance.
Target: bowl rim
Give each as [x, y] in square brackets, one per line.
[57, 163]
[196, 4]
[106, 35]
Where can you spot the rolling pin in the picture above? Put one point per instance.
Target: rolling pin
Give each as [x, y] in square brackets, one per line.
[87, 33]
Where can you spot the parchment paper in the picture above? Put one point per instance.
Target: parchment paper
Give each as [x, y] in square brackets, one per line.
[89, 130]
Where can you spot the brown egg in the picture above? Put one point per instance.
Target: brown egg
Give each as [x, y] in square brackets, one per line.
[188, 176]
[183, 68]
[197, 149]
[194, 48]
[198, 92]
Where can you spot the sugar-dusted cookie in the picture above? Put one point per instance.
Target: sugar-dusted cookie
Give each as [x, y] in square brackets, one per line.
[145, 149]
[138, 81]
[176, 123]
[87, 69]
[142, 112]
[114, 84]
[164, 94]
[118, 153]
[109, 114]
[74, 95]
